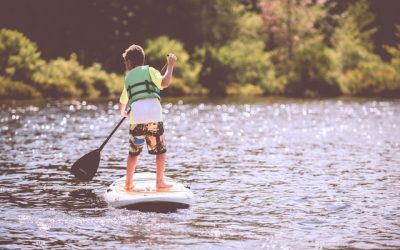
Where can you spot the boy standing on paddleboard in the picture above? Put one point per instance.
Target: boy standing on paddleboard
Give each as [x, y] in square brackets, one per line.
[142, 93]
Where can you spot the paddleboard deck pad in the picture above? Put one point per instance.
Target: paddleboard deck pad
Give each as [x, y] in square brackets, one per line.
[145, 197]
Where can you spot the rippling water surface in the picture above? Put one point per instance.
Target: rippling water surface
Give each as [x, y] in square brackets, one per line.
[266, 174]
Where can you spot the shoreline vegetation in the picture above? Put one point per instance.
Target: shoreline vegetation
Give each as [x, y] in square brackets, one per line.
[322, 54]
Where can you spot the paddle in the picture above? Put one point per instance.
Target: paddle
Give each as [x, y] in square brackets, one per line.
[86, 167]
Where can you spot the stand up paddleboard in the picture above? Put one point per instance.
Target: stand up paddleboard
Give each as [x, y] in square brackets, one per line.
[145, 197]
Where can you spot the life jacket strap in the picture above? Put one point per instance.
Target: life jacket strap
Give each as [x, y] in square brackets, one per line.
[150, 88]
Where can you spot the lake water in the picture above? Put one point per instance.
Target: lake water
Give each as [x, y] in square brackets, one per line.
[266, 174]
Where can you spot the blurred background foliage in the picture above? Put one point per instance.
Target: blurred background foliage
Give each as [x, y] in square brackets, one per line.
[308, 48]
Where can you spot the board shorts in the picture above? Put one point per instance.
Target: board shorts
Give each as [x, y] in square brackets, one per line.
[151, 133]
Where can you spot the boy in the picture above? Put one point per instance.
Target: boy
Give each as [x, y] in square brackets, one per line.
[141, 92]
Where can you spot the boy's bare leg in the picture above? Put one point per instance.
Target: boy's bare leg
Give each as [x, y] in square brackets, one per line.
[130, 169]
[160, 162]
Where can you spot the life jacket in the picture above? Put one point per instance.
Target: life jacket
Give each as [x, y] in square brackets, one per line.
[139, 85]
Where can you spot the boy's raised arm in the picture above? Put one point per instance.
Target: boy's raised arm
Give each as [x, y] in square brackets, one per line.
[171, 59]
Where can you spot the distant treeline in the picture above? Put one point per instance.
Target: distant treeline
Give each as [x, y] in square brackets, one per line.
[250, 47]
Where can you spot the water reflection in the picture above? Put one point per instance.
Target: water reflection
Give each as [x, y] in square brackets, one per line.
[267, 173]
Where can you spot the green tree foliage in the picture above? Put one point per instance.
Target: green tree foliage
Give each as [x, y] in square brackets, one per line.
[313, 72]
[10, 89]
[185, 72]
[302, 61]
[352, 39]
[21, 65]
[19, 56]
[240, 62]
[57, 77]
[371, 79]
[290, 23]
[362, 72]
[394, 51]
[66, 78]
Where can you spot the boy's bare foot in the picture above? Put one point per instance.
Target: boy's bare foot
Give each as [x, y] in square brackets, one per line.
[128, 188]
[163, 187]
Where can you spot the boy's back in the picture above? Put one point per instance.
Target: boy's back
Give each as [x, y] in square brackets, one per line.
[146, 106]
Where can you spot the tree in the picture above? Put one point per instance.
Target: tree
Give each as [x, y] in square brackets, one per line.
[362, 72]
[302, 61]
[290, 23]
[241, 62]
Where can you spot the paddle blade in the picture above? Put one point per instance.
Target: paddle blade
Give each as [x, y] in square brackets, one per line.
[86, 167]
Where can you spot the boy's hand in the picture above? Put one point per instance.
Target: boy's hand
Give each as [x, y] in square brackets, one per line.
[122, 111]
[171, 59]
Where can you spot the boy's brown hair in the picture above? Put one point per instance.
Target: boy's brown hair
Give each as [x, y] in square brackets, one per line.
[135, 54]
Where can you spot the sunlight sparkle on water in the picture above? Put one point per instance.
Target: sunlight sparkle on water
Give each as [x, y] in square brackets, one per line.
[274, 174]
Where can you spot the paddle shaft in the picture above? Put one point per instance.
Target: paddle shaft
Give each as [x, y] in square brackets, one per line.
[165, 65]
[115, 129]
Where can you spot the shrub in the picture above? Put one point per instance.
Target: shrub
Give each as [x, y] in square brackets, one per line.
[94, 81]
[59, 78]
[19, 56]
[394, 51]
[244, 90]
[115, 83]
[66, 78]
[239, 63]
[63, 88]
[185, 71]
[10, 89]
[364, 73]
[215, 73]
[371, 79]
[98, 82]
[176, 88]
[20, 64]
[313, 72]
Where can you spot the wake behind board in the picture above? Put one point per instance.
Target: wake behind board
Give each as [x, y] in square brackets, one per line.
[145, 197]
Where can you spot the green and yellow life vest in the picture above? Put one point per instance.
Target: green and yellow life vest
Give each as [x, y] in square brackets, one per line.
[139, 85]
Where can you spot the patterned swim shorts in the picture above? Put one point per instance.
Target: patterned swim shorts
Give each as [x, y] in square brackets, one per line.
[152, 133]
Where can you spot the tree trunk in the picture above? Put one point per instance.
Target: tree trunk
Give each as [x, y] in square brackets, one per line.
[289, 29]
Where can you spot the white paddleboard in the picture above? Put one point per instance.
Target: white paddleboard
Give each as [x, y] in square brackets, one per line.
[144, 195]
